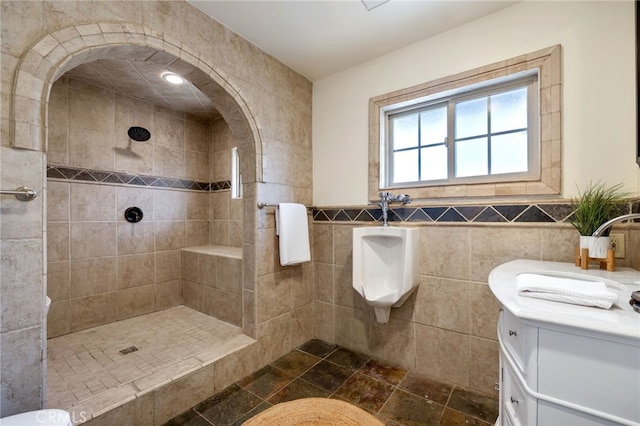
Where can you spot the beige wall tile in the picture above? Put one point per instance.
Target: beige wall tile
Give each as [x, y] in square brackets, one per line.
[58, 201]
[197, 205]
[168, 266]
[168, 131]
[483, 370]
[220, 209]
[228, 307]
[323, 282]
[93, 239]
[387, 338]
[275, 295]
[21, 284]
[197, 233]
[491, 247]
[197, 137]
[345, 294]
[209, 301]
[136, 301]
[58, 280]
[352, 327]
[190, 266]
[323, 243]
[135, 197]
[136, 270]
[169, 161]
[20, 219]
[94, 310]
[301, 285]
[92, 276]
[170, 205]
[135, 238]
[182, 394]
[343, 245]
[170, 235]
[438, 304]
[192, 295]
[229, 275]
[168, 294]
[484, 309]
[208, 270]
[444, 355]
[93, 203]
[22, 367]
[452, 257]
[219, 233]
[59, 319]
[58, 241]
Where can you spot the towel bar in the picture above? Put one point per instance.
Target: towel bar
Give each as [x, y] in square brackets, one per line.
[22, 193]
[262, 205]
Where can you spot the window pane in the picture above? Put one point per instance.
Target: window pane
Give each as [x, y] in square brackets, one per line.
[405, 131]
[509, 110]
[433, 164]
[509, 153]
[405, 166]
[433, 126]
[471, 157]
[471, 118]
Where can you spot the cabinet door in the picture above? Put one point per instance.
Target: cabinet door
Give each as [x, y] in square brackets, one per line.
[590, 371]
[520, 406]
[551, 414]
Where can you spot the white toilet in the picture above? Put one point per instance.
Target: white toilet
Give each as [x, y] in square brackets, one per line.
[51, 417]
[385, 266]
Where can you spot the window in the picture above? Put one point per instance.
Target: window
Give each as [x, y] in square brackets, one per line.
[236, 177]
[486, 132]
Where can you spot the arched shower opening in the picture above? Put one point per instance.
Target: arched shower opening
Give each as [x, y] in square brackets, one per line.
[97, 198]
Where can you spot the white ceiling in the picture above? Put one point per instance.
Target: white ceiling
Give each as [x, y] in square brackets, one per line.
[318, 38]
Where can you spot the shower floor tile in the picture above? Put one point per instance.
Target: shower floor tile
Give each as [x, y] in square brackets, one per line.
[86, 369]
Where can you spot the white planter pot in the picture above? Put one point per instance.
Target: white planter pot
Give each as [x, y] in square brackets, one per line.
[598, 246]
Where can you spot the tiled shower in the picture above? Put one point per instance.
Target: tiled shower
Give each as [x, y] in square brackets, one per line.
[103, 268]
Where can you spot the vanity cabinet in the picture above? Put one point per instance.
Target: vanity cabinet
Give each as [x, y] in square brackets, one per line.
[566, 364]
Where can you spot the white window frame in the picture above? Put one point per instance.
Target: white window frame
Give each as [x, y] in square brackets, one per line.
[544, 178]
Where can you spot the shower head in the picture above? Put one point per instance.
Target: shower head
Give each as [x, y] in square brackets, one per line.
[139, 134]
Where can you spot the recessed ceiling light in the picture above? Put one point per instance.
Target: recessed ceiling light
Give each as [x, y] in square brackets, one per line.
[172, 78]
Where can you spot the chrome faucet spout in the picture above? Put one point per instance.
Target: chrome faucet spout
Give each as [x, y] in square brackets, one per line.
[385, 199]
[608, 224]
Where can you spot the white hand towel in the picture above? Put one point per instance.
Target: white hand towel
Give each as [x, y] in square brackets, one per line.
[578, 292]
[293, 230]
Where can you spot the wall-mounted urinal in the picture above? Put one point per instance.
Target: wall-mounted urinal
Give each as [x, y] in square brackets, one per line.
[385, 266]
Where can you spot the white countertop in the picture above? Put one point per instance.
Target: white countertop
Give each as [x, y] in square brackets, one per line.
[620, 320]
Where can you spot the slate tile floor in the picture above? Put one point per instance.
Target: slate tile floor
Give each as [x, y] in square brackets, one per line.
[393, 394]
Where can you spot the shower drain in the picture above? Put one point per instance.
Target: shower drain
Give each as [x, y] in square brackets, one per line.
[127, 351]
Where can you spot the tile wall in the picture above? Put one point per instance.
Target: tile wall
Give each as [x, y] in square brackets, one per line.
[101, 267]
[267, 105]
[447, 328]
[212, 282]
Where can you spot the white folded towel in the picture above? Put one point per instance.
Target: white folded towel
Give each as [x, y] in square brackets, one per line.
[567, 290]
[293, 229]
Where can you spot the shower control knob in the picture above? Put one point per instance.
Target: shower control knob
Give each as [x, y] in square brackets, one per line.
[133, 214]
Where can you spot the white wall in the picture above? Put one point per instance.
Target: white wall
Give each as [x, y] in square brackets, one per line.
[599, 132]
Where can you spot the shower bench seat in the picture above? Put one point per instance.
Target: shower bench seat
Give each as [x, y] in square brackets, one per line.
[212, 281]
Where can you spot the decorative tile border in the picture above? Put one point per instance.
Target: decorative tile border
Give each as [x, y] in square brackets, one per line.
[98, 176]
[508, 213]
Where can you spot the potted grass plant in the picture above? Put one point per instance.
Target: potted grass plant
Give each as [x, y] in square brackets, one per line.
[596, 205]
